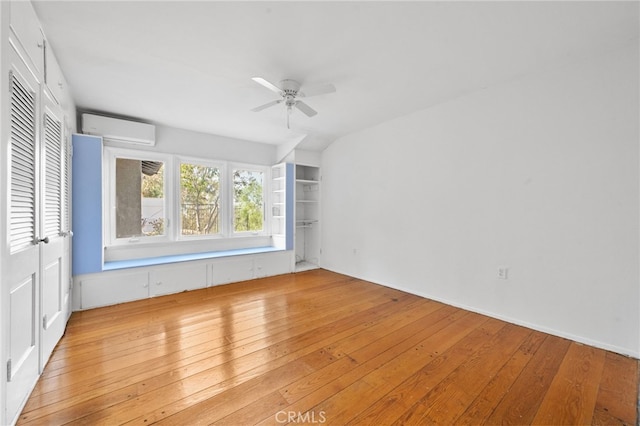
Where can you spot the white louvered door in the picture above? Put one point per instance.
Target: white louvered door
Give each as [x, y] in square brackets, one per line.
[54, 273]
[35, 237]
[21, 263]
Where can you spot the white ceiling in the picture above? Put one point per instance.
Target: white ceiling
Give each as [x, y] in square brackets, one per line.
[189, 64]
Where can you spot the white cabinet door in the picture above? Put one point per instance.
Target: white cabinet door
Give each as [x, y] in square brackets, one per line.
[21, 253]
[176, 278]
[54, 78]
[26, 33]
[113, 287]
[232, 270]
[270, 264]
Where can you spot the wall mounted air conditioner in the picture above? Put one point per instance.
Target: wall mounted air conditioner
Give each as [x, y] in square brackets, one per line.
[117, 130]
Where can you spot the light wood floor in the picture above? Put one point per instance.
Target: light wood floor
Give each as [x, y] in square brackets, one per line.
[321, 348]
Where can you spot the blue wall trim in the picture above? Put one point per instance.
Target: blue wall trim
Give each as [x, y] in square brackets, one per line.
[87, 204]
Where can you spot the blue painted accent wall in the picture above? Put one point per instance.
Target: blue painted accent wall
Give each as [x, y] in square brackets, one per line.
[290, 180]
[87, 204]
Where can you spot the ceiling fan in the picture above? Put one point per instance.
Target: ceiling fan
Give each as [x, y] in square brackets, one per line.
[289, 91]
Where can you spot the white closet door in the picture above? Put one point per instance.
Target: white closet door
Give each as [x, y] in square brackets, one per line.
[53, 283]
[22, 261]
[66, 220]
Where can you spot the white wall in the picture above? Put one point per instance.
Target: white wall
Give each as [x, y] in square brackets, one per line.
[539, 174]
[171, 140]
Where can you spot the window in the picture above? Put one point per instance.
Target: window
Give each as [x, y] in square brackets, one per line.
[248, 204]
[199, 200]
[139, 198]
[167, 204]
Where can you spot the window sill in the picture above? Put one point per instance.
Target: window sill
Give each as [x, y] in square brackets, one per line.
[162, 260]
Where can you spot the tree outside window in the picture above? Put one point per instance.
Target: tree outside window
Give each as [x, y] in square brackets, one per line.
[205, 199]
[199, 199]
[248, 204]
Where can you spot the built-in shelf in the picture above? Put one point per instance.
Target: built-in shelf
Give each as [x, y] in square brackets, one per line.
[282, 207]
[307, 197]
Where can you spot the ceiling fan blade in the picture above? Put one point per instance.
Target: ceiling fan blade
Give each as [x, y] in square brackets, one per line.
[267, 105]
[267, 84]
[317, 90]
[309, 112]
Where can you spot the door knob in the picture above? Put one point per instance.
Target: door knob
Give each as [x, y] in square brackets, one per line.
[43, 240]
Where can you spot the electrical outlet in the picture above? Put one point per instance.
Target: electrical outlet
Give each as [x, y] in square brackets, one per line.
[503, 272]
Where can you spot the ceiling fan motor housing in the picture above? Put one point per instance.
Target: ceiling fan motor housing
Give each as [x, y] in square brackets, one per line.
[290, 87]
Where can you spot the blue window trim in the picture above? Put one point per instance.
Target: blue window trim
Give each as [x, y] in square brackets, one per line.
[87, 195]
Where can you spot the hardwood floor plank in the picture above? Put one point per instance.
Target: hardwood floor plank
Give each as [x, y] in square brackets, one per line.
[484, 403]
[411, 388]
[520, 405]
[618, 391]
[452, 396]
[320, 347]
[571, 398]
[362, 350]
[214, 408]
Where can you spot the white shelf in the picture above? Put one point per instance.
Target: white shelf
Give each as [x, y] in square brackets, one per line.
[278, 205]
[306, 201]
[309, 181]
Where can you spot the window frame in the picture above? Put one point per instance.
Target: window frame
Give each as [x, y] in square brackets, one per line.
[266, 177]
[111, 154]
[222, 166]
